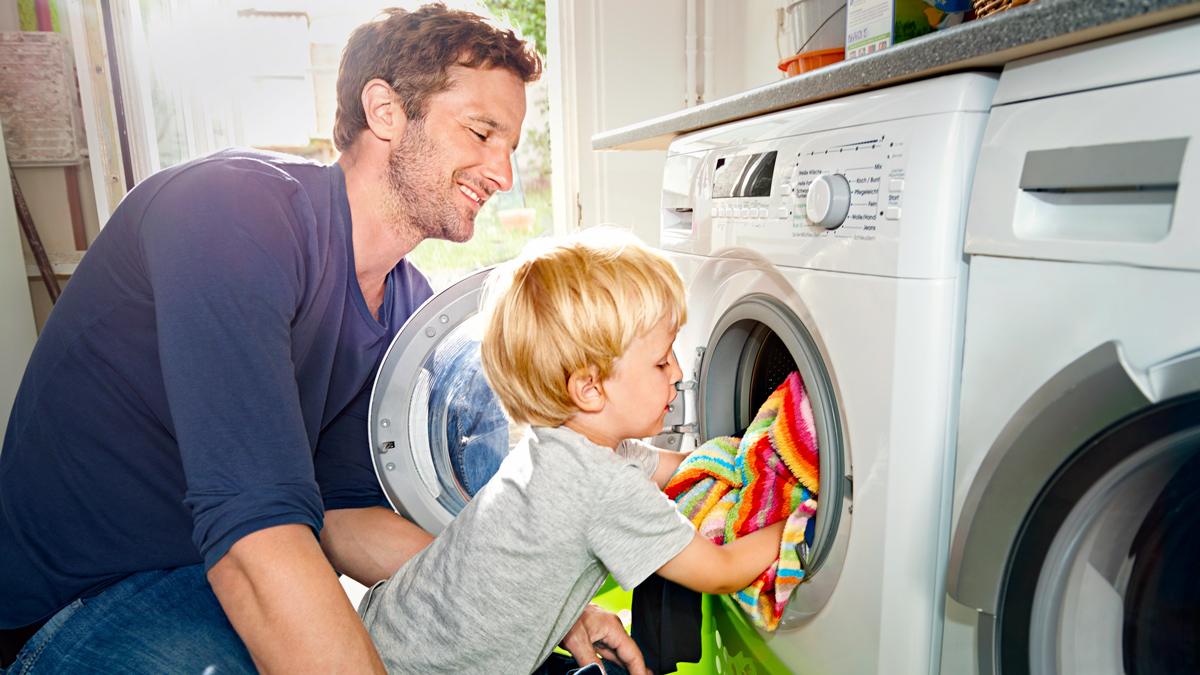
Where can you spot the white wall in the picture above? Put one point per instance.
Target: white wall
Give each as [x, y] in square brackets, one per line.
[16, 329]
[619, 62]
[747, 49]
[612, 63]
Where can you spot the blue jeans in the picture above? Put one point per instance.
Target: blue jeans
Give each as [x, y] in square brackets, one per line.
[162, 621]
[465, 412]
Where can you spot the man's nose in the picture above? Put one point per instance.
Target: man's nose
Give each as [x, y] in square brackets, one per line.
[497, 167]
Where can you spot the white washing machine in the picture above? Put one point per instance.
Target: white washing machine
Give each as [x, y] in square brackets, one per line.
[828, 239]
[1076, 543]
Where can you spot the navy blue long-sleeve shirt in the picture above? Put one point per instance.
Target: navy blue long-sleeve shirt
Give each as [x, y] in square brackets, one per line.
[205, 375]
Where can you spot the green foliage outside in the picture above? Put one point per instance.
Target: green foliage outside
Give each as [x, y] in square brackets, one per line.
[527, 16]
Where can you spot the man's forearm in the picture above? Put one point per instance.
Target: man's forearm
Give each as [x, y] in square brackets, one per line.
[275, 583]
[370, 544]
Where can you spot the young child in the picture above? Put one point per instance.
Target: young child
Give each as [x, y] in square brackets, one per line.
[578, 346]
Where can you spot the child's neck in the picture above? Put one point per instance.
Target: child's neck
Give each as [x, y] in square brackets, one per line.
[586, 426]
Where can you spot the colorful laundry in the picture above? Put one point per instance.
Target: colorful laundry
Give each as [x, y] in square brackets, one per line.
[730, 487]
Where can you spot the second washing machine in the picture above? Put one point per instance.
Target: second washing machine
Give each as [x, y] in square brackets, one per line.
[1076, 544]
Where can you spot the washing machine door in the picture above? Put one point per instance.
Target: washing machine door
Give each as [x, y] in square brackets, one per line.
[758, 331]
[1103, 576]
[1077, 547]
[755, 344]
[437, 431]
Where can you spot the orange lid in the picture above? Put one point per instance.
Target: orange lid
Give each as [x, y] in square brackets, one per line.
[806, 61]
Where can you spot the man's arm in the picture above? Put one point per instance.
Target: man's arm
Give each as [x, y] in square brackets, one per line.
[706, 567]
[276, 582]
[370, 544]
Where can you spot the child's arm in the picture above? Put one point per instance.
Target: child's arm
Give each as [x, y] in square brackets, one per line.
[706, 567]
[668, 464]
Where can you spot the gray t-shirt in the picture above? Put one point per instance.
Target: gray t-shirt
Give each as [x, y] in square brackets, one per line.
[500, 587]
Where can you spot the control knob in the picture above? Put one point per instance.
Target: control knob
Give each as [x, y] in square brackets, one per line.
[828, 200]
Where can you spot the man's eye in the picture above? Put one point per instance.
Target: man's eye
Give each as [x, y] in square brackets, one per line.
[482, 137]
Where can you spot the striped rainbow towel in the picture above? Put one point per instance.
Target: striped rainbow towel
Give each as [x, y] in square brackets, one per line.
[730, 487]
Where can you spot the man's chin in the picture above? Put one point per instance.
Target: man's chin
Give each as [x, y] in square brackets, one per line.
[461, 236]
[458, 234]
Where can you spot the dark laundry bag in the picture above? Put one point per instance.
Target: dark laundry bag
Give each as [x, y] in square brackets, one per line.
[666, 621]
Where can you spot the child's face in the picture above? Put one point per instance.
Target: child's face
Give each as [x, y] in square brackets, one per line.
[642, 383]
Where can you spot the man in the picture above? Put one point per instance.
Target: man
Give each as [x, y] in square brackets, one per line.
[186, 464]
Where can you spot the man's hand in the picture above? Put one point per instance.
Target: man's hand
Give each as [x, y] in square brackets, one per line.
[600, 633]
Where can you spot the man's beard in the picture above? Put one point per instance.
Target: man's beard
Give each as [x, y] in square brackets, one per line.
[418, 198]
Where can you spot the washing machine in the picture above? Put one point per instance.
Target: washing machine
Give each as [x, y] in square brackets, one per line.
[1075, 540]
[827, 240]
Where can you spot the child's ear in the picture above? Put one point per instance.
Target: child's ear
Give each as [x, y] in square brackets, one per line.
[586, 390]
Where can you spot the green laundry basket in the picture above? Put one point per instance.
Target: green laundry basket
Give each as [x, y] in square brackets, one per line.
[730, 644]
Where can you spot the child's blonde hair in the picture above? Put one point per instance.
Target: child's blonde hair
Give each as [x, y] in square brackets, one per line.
[567, 305]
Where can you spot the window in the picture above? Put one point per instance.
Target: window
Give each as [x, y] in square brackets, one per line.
[202, 75]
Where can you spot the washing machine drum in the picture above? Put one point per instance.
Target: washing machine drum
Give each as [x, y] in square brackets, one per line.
[437, 431]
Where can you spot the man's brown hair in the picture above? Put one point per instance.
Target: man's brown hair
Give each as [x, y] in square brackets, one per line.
[412, 51]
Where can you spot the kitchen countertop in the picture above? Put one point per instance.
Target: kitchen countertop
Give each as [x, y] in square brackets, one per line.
[986, 43]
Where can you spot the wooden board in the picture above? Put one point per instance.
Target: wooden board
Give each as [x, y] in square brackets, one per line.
[39, 104]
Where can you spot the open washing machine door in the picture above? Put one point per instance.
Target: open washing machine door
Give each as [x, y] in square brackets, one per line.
[437, 431]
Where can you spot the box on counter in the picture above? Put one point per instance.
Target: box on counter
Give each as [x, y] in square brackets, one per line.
[872, 25]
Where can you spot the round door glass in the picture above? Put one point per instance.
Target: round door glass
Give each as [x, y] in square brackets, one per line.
[469, 434]
[437, 431]
[1119, 572]
[754, 347]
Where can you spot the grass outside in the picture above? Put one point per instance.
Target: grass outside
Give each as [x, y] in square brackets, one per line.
[445, 262]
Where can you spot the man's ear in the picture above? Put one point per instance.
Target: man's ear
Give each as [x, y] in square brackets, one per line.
[383, 110]
[586, 390]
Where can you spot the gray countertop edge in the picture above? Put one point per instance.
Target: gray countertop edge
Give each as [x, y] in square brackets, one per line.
[988, 43]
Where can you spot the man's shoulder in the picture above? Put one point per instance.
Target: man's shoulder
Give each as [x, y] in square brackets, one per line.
[252, 188]
[245, 169]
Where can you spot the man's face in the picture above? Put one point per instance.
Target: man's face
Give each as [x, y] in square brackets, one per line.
[445, 166]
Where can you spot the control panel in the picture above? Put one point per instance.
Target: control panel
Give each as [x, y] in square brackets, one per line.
[874, 183]
[838, 186]
[858, 188]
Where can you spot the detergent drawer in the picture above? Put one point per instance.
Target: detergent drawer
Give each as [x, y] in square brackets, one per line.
[1098, 176]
